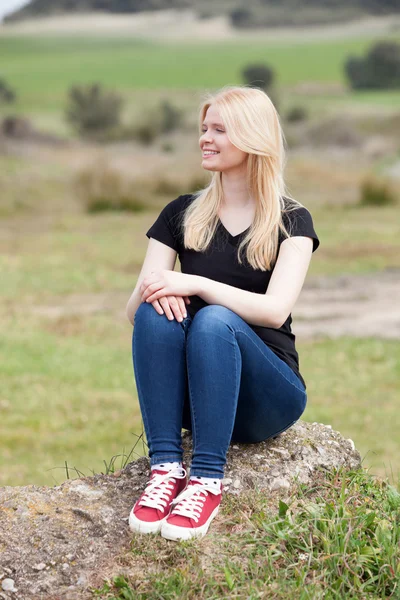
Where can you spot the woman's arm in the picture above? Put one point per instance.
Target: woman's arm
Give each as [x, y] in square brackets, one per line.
[158, 256]
[272, 308]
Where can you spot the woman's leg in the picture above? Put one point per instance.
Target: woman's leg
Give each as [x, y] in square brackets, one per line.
[158, 350]
[239, 389]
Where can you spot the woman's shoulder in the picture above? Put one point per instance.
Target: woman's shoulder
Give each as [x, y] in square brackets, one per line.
[298, 221]
[180, 203]
[293, 209]
[290, 203]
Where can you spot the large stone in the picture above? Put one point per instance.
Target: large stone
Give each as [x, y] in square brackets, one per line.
[58, 542]
[295, 455]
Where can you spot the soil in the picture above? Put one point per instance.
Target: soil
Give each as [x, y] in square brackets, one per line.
[184, 24]
[355, 305]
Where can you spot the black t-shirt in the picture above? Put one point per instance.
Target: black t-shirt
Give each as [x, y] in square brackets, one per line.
[219, 262]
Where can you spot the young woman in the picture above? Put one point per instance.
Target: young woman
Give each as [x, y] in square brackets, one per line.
[213, 350]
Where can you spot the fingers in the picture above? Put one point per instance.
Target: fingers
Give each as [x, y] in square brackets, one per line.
[157, 306]
[167, 309]
[187, 300]
[182, 307]
[172, 306]
[177, 306]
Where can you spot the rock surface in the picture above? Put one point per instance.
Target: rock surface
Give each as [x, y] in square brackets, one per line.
[56, 542]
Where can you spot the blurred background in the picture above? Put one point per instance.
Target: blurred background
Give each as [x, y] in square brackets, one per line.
[98, 131]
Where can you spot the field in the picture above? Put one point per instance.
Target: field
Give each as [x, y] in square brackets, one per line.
[43, 68]
[68, 398]
[68, 393]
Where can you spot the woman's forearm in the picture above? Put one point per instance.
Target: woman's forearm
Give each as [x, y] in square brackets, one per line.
[133, 304]
[255, 309]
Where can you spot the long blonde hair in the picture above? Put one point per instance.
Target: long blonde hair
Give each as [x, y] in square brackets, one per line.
[252, 125]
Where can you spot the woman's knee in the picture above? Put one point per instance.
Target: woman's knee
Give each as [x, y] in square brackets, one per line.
[211, 317]
[147, 316]
[145, 311]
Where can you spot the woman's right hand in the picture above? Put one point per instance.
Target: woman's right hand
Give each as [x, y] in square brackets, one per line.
[172, 306]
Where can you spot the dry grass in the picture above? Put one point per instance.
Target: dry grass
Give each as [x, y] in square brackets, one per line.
[167, 25]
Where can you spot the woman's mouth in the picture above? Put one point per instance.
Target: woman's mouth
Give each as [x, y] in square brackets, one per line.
[209, 153]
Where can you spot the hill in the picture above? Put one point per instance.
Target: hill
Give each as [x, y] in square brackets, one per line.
[256, 13]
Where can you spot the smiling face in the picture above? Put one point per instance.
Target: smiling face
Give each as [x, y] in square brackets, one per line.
[218, 152]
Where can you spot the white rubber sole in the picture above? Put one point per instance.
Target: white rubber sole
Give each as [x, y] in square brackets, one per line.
[173, 532]
[139, 526]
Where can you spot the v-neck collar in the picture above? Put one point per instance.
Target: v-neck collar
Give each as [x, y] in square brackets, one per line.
[232, 237]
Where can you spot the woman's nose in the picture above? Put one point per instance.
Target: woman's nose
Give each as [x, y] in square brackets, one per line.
[206, 137]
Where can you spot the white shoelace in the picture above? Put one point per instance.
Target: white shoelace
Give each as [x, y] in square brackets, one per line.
[158, 490]
[191, 500]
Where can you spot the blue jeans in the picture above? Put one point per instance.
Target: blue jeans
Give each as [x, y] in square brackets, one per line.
[214, 376]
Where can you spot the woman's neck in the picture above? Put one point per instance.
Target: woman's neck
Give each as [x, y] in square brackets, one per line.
[235, 191]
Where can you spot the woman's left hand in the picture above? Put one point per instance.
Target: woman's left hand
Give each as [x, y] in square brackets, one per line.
[168, 283]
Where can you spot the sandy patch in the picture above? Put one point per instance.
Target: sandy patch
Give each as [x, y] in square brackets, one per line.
[353, 305]
[183, 25]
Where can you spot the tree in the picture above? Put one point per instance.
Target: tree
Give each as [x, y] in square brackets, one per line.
[241, 17]
[6, 93]
[258, 75]
[379, 69]
[93, 110]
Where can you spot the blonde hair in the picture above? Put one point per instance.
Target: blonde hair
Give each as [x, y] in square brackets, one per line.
[252, 125]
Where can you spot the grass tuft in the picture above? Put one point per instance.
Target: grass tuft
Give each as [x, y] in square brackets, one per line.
[377, 192]
[338, 538]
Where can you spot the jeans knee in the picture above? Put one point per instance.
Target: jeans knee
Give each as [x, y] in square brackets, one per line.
[211, 317]
[148, 320]
[144, 311]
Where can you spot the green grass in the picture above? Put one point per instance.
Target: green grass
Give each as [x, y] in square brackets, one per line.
[65, 398]
[68, 392]
[82, 253]
[42, 69]
[336, 539]
[68, 396]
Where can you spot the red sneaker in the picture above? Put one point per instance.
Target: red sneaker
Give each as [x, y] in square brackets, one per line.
[153, 506]
[192, 512]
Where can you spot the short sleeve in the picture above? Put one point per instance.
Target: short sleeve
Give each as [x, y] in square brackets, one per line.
[166, 227]
[299, 222]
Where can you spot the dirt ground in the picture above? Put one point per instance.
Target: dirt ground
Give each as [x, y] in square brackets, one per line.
[165, 25]
[353, 305]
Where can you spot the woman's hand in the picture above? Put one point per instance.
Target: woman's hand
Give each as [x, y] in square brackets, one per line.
[172, 306]
[168, 283]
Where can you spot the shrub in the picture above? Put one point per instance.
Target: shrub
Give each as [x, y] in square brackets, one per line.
[163, 118]
[145, 133]
[92, 109]
[167, 147]
[376, 192]
[16, 127]
[167, 187]
[198, 182]
[170, 117]
[258, 75]
[7, 95]
[297, 113]
[241, 17]
[334, 131]
[379, 69]
[103, 188]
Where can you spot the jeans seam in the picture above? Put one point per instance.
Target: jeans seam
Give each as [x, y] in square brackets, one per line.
[194, 437]
[144, 414]
[270, 362]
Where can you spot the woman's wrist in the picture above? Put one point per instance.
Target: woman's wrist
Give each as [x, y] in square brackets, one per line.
[200, 284]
